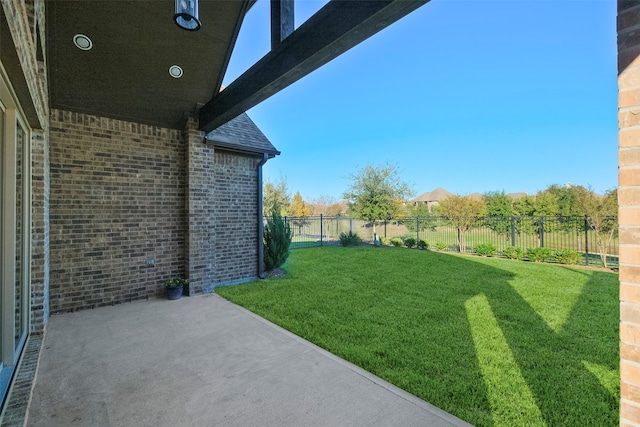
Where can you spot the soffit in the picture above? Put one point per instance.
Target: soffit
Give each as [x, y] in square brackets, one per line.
[125, 75]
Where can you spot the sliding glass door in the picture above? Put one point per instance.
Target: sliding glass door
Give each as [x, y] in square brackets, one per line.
[15, 232]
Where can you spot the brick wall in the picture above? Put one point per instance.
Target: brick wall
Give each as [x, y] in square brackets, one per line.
[117, 200]
[235, 218]
[23, 17]
[223, 220]
[201, 187]
[40, 231]
[629, 211]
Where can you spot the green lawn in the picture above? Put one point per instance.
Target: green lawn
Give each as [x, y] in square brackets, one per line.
[492, 341]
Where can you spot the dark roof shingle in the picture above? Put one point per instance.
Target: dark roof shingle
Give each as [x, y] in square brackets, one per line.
[241, 134]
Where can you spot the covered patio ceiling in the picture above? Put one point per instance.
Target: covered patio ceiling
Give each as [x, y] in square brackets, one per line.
[125, 75]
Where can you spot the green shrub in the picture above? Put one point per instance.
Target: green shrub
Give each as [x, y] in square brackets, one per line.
[350, 239]
[396, 241]
[176, 282]
[422, 244]
[277, 238]
[485, 249]
[385, 241]
[538, 254]
[513, 252]
[440, 246]
[568, 256]
[410, 242]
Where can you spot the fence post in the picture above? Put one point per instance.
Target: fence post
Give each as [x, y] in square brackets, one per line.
[541, 222]
[320, 229]
[513, 230]
[385, 228]
[586, 240]
[417, 229]
[350, 225]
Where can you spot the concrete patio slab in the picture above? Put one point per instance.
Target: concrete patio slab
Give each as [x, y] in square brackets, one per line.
[203, 361]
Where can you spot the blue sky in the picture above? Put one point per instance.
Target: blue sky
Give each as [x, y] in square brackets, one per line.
[471, 96]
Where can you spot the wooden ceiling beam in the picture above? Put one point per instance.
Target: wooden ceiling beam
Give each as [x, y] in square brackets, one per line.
[282, 21]
[334, 29]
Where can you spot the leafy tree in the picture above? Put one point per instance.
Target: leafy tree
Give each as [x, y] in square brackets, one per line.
[298, 206]
[376, 193]
[499, 207]
[525, 210]
[418, 218]
[545, 204]
[276, 196]
[464, 213]
[299, 210]
[602, 216]
[568, 209]
[498, 203]
[566, 197]
[524, 206]
[277, 238]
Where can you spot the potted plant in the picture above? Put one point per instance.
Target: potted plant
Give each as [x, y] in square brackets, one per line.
[174, 287]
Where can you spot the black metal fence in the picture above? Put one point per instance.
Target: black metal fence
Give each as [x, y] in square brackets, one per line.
[556, 233]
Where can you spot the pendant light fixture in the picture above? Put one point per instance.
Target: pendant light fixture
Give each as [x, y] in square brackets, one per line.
[186, 16]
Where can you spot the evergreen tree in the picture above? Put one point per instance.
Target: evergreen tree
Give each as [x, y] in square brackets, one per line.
[277, 239]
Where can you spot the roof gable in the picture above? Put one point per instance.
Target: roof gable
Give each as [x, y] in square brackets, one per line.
[242, 135]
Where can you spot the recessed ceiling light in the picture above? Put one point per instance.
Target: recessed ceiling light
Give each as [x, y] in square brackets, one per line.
[82, 42]
[175, 71]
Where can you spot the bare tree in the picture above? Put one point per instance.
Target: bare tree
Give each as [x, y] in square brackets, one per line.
[602, 217]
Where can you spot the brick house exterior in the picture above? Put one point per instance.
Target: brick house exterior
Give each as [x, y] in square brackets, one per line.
[116, 207]
[629, 208]
[124, 193]
[105, 195]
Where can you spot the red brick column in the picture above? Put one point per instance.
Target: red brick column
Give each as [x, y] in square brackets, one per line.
[200, 205]
[629, 210]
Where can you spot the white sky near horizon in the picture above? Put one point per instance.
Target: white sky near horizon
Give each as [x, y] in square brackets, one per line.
[471, 96]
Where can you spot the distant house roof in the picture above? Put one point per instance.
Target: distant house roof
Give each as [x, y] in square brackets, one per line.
[241, 135]
[514, 196]
[439, 194]
[433, 196]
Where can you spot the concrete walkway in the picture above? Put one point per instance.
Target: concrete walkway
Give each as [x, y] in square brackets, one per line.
[203, 361]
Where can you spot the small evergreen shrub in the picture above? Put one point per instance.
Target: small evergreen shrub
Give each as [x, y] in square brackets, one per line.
[568, 256]
[396, 241]
[538, 254]
[513, 252]
[350, 239]
[385, 241]
[441, 246]
[277, 238]
[422, 244]
[485, 249]
[410, 242]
